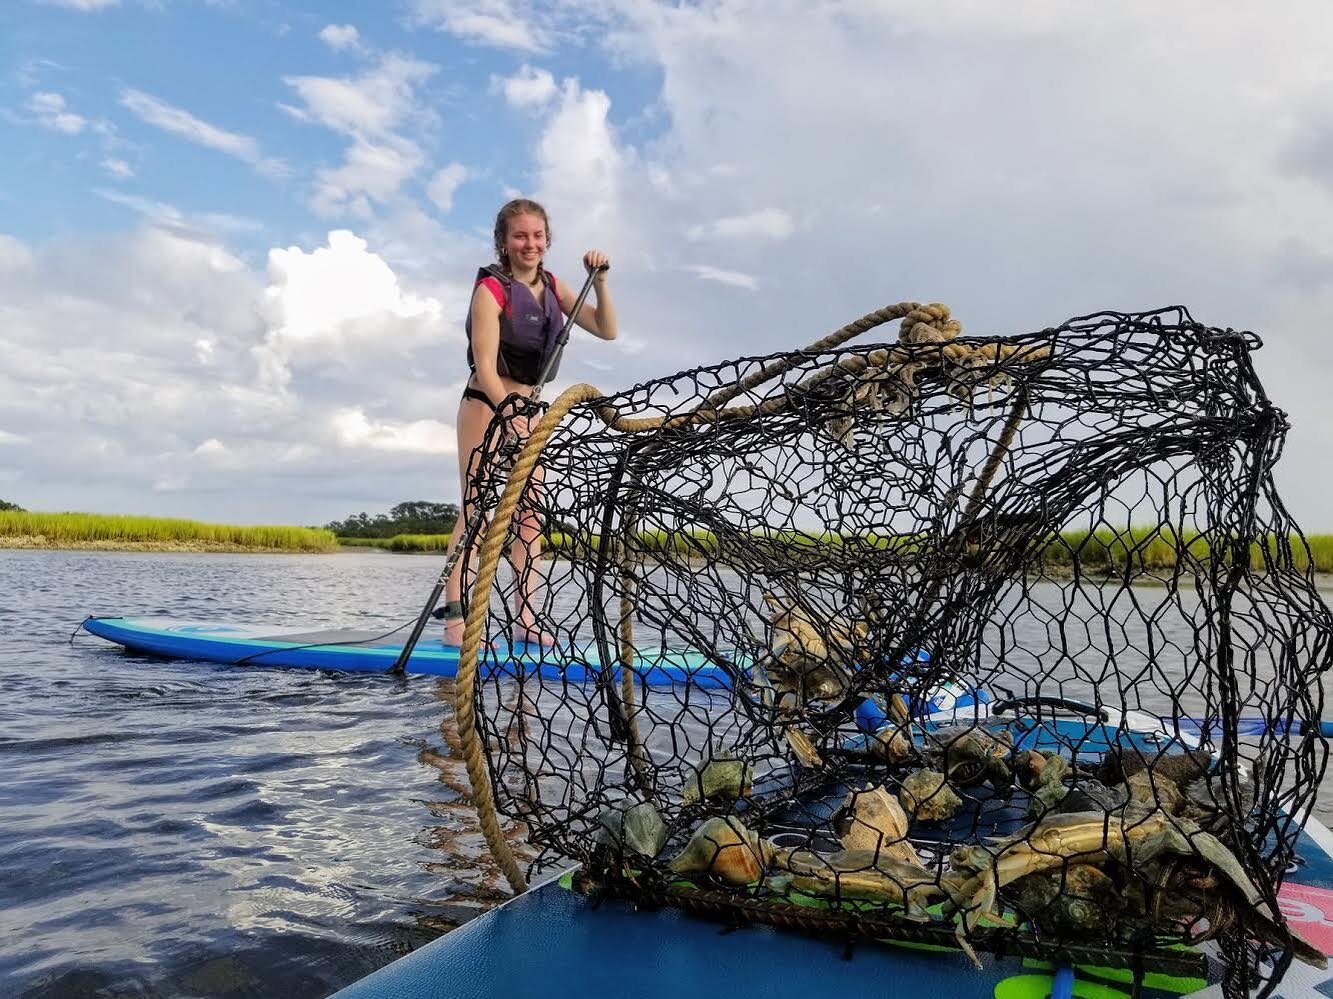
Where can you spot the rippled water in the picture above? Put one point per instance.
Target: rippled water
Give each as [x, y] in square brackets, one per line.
[175, 829]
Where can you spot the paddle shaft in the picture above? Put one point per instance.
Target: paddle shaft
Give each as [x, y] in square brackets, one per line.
[478, 514]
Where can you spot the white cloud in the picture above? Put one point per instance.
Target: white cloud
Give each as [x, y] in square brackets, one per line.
[443, 185]
[580, 163]
[502, 24]
[353, 429]
[118, 169]
[131, 373]
[14, 254]
[528, 88]
[767, 223]
[733, 278]
[372, 104]
[370, 110]
[370, 170]
[52, 112]
[178, 121]
[170, 216]
[340, 36]
[327, 304]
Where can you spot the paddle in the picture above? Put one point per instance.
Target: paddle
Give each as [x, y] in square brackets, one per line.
[474, 521]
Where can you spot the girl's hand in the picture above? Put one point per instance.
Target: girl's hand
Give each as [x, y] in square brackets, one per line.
[595, 259]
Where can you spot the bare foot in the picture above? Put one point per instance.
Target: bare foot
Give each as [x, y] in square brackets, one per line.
[453, 634]
[453, 631]
[533, 636]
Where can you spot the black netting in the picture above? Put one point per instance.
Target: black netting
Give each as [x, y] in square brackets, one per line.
[1004, 641]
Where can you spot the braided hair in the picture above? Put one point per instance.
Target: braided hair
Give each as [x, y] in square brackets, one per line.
[519, 206]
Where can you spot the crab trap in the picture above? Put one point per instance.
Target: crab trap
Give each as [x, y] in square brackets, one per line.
[1003, 643]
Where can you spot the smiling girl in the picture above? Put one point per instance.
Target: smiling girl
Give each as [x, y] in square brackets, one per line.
[513, 324]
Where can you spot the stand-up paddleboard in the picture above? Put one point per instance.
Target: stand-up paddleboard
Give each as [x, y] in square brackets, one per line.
[359, 651]
[376, 652]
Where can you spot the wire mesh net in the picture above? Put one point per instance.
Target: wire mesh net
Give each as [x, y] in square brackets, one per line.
[1006, 643]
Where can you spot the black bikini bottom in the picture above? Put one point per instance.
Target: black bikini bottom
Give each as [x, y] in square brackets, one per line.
[469, 392]
[478, 394]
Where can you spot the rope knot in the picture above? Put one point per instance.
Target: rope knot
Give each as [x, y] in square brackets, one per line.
[929, 324]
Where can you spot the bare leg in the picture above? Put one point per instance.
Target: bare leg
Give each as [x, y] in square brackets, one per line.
[524, 555]
[473, 418]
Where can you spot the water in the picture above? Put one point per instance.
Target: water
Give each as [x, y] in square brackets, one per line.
[171, 829]
[182, 830]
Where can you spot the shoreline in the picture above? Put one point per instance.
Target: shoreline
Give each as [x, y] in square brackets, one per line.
[39, 542]
[1054, 572]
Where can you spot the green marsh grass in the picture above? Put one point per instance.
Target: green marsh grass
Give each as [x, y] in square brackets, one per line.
[72, 529]
[1142, 549]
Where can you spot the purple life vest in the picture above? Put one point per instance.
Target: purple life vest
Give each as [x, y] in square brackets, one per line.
[529, 329]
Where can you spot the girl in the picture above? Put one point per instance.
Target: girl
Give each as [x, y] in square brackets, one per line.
[515, 318]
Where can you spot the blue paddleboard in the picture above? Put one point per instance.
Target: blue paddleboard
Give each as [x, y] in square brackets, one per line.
[376, 652]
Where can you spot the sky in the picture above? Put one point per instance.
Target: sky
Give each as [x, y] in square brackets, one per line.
[238, 237]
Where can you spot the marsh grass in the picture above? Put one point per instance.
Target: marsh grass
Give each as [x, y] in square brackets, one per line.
[107, 530]
[1141, 549]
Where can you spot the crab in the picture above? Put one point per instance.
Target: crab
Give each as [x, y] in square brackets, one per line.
[1045, 776]
[1123, 761]
[858, 874]
[802, 666]
[1138, 839]
[893, 743]
[802, 663]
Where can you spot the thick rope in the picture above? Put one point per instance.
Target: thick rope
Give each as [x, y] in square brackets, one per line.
[711, 410]
[492, 546]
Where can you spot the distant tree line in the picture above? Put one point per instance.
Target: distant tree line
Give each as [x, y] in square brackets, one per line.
[411, 517]
[6, 505]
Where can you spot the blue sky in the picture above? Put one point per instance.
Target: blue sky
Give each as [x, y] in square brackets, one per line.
[237, 236]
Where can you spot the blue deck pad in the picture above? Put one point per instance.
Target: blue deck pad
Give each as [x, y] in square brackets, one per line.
[551, 943]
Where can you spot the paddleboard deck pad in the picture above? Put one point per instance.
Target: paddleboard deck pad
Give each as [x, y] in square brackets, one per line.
[552, 943]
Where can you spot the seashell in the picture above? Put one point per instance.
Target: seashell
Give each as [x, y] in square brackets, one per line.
[873, 820]
[726, 849]
[638, 829]
[893, 744]
[723, 778]
[1150, 788]
[1122, 762]
[1079, 898]
[927, 796]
